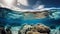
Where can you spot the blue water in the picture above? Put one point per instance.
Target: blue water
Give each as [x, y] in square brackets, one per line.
[18, 21]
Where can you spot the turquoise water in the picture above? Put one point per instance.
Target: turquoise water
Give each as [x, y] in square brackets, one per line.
[15, 18]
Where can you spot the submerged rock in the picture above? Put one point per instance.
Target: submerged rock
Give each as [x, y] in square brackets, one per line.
[35, 29]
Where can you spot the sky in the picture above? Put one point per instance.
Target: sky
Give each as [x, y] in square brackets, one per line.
[32, 4]
[50, 3]
[46, 3]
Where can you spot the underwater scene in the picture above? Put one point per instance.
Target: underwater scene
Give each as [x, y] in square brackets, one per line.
[35, 22]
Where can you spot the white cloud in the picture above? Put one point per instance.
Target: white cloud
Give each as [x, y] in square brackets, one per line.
[23, 2]
[9, 2]
[40, 7]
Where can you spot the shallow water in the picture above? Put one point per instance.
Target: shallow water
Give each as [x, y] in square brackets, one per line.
[14, 20]
[11, 17]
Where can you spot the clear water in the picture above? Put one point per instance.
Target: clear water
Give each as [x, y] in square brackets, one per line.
[9, 17]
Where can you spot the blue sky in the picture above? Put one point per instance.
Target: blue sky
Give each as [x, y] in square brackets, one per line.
[47, 3]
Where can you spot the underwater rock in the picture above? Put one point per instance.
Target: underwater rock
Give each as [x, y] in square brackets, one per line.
[24, 28]
[2, 30]
[35, 29]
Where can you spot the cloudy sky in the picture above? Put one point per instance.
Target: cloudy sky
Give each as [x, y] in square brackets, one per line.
[32, 4]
